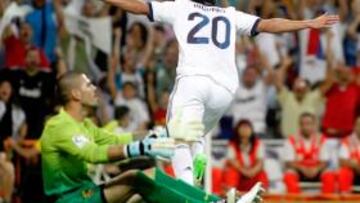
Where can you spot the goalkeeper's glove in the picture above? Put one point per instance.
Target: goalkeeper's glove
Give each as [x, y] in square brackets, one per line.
[151, 146]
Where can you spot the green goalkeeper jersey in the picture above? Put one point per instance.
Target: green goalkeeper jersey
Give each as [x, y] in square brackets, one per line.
[67, 146]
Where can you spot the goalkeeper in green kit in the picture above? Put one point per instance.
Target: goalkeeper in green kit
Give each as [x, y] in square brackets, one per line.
[70, 142]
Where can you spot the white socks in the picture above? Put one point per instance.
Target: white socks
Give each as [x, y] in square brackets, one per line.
[182, 163]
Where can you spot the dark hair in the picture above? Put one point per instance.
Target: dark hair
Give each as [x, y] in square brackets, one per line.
[65, 85]
[121, 111]
[32, 48]
[169, 44]
[237, 141]
[159, 28]
[14, 99]
[129, 83]
[143, 32]
[307, 114]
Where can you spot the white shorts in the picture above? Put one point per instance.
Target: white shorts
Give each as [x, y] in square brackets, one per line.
[199, 97]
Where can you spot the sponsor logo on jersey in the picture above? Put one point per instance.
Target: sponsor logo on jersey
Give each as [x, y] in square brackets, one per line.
[87, 194]
[80, 140]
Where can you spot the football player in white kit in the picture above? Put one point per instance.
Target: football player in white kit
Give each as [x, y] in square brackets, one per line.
[207, 77]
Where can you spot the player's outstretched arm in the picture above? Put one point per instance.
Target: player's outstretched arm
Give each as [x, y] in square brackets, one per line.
[150, 146]
[133, 6]
[278, 25]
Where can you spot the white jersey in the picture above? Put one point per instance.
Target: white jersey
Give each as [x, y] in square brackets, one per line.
[251, 104]
[206, 37]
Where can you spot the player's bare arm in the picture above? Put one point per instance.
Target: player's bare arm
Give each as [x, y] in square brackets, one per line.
[278, 25]
[133, 6]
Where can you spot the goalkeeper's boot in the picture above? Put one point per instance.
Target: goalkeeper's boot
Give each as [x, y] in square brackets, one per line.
[199, 163]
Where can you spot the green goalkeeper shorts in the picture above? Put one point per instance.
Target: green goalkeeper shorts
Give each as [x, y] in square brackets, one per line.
[87, 193]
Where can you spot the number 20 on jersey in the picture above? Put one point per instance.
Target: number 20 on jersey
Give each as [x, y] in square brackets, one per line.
[205, 21]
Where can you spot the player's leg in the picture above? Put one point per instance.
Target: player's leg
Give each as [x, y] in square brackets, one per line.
[182, 163]
[291, 180]
[153, 186]
[121, 189]
[88, 192]
[188, 98]
[217, 102]
[345, 179]
[7, 173]
[328, 181]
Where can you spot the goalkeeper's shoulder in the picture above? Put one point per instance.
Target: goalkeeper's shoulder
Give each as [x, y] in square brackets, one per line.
[56, 125]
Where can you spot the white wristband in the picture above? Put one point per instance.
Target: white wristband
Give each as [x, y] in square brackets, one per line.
[125, 151]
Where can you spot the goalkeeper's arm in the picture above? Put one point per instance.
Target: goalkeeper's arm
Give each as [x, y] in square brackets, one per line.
[150, 146]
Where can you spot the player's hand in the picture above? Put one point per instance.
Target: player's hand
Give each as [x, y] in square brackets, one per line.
[324, 21]
[152, 146]
[157, 132]
[163, 147]
[189, 131]
[311, 172]
[250, 173]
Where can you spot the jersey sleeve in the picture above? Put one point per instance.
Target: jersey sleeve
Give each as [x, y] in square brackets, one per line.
[162, 11]
[106, 137]
[246, 23]
[68, 140]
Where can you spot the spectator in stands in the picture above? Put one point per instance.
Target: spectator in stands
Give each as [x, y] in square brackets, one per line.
[352, 35]
[166, 70]
[246, 159]
[251, 97]
[122, 122]
[137, 37]
[311, 42]
[296, 101]
[342, 98]
[129, 73]
[157, 103]
[138, 112]
[349, 173]
[306, 157]
[119, 74]
[43, 23]
[126, 88]
[79, 49]
[140, 42]
[12, 125]
[16, 126]
[16, 47]
[159, 42]
[34, 89]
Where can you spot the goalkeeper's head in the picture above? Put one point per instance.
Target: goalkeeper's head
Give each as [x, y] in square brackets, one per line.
[76, 88]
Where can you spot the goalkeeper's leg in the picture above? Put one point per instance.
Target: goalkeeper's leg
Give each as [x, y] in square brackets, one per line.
[154, 187]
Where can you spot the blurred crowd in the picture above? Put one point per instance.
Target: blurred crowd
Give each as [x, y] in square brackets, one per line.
[300, 87]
